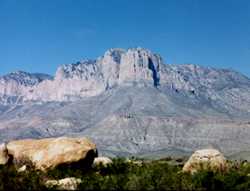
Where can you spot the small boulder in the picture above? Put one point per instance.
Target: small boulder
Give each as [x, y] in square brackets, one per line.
[104, 161]
[51, 152]
[22, 169]
[206, 159]
[4, 158]
[64, 184]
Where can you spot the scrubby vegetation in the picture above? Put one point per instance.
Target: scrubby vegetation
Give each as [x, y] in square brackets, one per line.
[133, 175]
[10, 179]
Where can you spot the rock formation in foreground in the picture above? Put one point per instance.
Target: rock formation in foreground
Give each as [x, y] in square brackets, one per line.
[206, 159]
[49, 153]
[129, 102]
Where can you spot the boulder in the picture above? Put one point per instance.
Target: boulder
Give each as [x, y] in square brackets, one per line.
[52, 152]
[104, 161]
[3, 154]
[64, 184]
[206, 159]
[22, 169]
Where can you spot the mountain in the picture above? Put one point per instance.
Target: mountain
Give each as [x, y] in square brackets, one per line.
[131, 103]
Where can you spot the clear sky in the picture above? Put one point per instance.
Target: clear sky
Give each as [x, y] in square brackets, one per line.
[40, 35]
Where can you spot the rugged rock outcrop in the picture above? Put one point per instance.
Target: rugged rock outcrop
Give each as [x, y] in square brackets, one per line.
[206, 159]
[52, 152]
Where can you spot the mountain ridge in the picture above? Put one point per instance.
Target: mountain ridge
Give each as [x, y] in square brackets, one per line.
[139, 66]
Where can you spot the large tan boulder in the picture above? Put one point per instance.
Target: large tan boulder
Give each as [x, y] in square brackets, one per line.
[51, 152]
[3, 154]
[206, 159]
[64, 184]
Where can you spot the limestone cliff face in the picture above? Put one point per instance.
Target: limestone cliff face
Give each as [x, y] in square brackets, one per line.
[71, 82]
[140, 66]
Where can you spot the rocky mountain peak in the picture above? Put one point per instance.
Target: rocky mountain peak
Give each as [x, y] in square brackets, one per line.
[25, 78]
[115, 54]
[119, 67]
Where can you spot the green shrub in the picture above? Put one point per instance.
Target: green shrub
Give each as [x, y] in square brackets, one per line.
[124, 175]
[10, 179]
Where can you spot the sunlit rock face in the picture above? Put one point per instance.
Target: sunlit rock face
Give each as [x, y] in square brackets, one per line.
[140, 66]
[71, 82]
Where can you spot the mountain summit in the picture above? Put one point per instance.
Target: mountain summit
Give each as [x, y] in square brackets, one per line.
[131, 103]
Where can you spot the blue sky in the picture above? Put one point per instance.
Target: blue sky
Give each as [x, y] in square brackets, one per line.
[40, 35]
